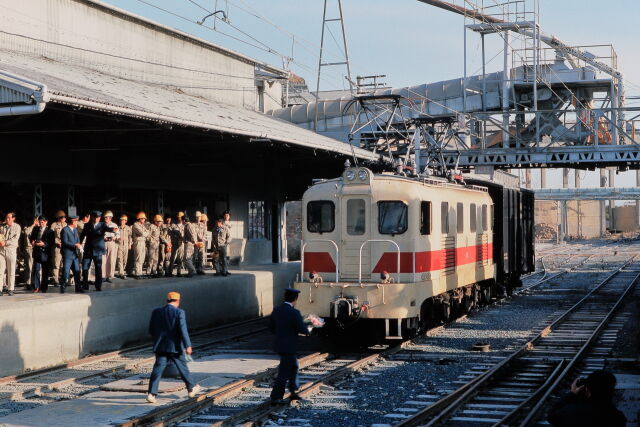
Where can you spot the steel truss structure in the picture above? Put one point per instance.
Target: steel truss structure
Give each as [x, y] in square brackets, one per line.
[551, 114]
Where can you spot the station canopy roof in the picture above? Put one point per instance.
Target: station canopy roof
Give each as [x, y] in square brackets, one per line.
[74, 85]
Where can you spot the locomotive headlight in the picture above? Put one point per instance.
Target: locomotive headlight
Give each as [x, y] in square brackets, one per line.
[350, 175]
[362, 175]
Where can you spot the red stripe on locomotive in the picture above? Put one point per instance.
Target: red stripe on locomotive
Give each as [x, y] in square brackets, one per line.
[319, 261]
[425, 261]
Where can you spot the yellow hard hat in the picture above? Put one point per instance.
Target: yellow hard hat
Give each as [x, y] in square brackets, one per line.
[204, 217]
[141, 215]
[123, 216]
[180, 214]
[173, 296]
[198, 213]
[108, 213]
[60, 214]
[157, 218]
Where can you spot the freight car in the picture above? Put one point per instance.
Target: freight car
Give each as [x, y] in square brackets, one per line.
[385, 256]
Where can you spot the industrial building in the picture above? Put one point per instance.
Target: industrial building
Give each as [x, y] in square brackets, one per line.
[100, 108]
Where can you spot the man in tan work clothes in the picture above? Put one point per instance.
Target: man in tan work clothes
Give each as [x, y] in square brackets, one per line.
[221, 239]
[177, 245]
[165, 245]
[190, 240]
[9, 239]
[56, 254]
[153, 247]
[124, 246]
[140, 234]
[26, 250]
[200, 254]
[111, 247]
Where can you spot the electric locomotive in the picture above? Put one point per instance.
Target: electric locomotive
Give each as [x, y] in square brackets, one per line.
[386, 255]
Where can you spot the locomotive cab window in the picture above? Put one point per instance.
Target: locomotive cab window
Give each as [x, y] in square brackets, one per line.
[392, 217]
[473, 215]
[460, 218]
[425, 218]
[321, 216]
[356, 219]
[444, 217]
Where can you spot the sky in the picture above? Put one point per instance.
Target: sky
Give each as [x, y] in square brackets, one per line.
[408, 41]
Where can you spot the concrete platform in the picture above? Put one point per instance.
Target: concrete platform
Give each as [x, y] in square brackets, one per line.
[42, 330]
[105, 408]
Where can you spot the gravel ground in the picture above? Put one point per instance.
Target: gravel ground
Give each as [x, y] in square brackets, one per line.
[444, 356]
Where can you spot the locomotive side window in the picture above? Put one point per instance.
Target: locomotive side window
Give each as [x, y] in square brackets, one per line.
[460, 218]
[321, 216]
[392, 217]
[473, 215]
[425, 218]
[484, 218]
[356, 219]
[444, 217]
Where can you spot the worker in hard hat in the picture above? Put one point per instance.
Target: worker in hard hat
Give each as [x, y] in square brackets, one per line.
[204, 219]
[124, 246]
[199, 255]
[190, 239]
[165, 245]
[153, 246]
[140, 233]
[177, 245]
[111, 247]
[56, 248]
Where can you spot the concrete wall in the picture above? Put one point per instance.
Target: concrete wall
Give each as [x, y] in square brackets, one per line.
[102, 37]
[583, 219]
[45, 330]
[625, 218]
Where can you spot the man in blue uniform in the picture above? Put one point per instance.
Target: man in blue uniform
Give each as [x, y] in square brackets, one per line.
[94, 248]
[70, 246]
[287, 324]
[168, 326]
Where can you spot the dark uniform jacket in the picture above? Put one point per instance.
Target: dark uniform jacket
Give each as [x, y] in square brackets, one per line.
[69, 237]
[94, 233]
[286, 322]
[168, 326]
[41, 253]
[577, 411]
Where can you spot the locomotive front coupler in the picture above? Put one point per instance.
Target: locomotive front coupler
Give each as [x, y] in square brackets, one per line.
[344, 308]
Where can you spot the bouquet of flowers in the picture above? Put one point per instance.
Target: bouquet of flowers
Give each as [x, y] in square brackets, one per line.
[314, 321]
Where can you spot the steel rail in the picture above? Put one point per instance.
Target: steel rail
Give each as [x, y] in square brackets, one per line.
[178, 411]
[533, 412]
[545, 279]
[254, 415]
[437, 412]
[114, 354]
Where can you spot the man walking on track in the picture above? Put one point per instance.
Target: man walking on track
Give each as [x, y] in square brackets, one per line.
[168, 326]
[287, 323]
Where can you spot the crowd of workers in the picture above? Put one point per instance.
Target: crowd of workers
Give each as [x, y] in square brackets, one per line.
[52, 253]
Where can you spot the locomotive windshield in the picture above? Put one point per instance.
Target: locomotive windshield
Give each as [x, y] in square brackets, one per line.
[392, 217]
[321, 216]
[356, 219]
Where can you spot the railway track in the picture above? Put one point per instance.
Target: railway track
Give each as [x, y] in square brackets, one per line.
[547, 277]
[515, 391]
[89, 373]
[245, 402]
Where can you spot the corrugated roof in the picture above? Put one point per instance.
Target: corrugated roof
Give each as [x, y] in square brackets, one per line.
[79, 86]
